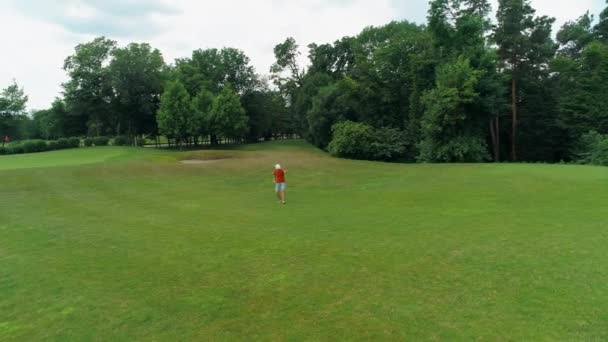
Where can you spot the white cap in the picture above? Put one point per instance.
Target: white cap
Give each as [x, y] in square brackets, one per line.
[278, 166]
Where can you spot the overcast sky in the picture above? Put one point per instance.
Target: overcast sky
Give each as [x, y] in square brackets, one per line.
[37, 35]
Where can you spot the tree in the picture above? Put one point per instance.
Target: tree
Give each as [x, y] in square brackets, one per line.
[201, 104]
[583, 104]
[89, 93]
[227, 116]
[137, 74]
[575, 35]
[213, 69]
[448, 133]
[524, 43]
[287, 55]
[12, 105]
[601, 29]
[289, 78]
[175, 117]
[265, 109]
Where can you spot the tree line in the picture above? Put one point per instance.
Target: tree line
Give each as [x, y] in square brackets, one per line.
[130, 92]
[460, 88]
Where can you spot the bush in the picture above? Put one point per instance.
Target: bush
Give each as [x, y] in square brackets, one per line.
[74, 142]
[62, 144]
[121, 141]
[141, 142]
[592, 148]
[361, 141]
[351, 140]
[389, 144]
[462, 149]
[15, 149]
[88, 142]
[2, 150]
[33, 146]
[101, 141]
[53, 145]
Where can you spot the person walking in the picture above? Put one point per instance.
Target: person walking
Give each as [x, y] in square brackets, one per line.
[279, 182]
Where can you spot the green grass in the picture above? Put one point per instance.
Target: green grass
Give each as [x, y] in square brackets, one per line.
[126, 244]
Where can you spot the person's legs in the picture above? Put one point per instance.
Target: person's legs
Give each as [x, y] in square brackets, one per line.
[283, 193]
[277, 190]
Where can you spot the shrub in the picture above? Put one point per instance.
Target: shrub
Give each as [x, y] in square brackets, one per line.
[74, 142]
[141, 142]
[2, 150]
[101, 141]
[63, 144]
[462, 149]
[121, 141]
[32, 146]
[53, 145]
[389, 144]
[592, 148]
[361, 141]
[15, 149]
[351, 140]
[88, 142]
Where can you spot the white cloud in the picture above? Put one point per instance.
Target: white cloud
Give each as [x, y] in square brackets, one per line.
[39, 34]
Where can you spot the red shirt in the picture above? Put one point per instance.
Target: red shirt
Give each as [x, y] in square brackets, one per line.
[279, 176]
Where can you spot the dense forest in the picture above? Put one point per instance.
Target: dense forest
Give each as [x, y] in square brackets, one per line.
[462, 88]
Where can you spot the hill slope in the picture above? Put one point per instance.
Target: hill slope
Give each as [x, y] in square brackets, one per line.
[138, 246]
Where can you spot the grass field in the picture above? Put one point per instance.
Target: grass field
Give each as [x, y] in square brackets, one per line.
[126, 244]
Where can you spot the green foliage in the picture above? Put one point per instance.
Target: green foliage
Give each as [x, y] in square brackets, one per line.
[32, 146]
[575, 35]
[352, 140]
[88, 142]
[201, 106]
[137, 75]
[101, 141]
[227, 117]
[38, 145]
[141, 142]
[12, 107]
[89, 93]
[583, 104]
[592, 148]
[447, 132]
[62, 143]
[53, 145]
[391, 144]
[434, 92]
[176, 115]
[334, 103]
[360, 141]
[601, 29]
[525, 46]
[74, 142]
[266, 111]
[460, 149]
[213, 69]
[122, 140]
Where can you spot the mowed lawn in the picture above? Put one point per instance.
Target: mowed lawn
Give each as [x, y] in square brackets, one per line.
[124, 244]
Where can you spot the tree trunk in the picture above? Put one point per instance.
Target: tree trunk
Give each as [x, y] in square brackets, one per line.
[493, 136]
[498, 139]
[495, 132]
[514, 126]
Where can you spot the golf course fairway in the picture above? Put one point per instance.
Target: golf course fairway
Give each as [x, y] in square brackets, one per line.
[126, 244]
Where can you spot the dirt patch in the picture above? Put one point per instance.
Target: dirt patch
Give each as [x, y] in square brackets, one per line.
[198, 161]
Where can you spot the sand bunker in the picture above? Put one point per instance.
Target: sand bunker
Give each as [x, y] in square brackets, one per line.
[198, 161]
